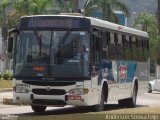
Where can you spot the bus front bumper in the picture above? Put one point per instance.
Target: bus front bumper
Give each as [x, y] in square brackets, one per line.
[54, 100]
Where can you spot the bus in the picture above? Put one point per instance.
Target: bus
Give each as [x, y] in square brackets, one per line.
[63, 60]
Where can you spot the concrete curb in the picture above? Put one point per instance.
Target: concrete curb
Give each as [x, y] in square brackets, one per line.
[6, 96]
[8, 101]
[6, 90]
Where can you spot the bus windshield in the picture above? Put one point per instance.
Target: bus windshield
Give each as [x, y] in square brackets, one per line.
[52, 53]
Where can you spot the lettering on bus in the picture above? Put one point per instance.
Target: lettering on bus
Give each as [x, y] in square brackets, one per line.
[39, 68]
[123, 72]
[54, 23]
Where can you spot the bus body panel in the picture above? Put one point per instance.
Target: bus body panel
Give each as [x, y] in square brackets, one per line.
[25, 96]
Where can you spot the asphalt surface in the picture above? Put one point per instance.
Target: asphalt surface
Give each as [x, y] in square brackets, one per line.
[143, 100]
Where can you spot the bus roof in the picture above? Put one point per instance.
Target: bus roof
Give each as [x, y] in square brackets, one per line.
[117, 27]
[103, 24]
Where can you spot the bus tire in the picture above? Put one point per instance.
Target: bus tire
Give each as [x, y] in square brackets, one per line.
[149, 88]
[38, 109]
[100, 106]
[130, 102]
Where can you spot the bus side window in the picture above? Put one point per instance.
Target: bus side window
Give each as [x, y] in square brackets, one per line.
[107, 42]
[120, 47]
[139, 49]
[146, 49]
[112, 47]
[104, 52]
[93, 46]
[95, 54]
[134, 49]
[128, 54]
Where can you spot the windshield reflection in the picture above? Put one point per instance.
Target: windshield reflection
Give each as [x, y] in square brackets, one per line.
[65, 53]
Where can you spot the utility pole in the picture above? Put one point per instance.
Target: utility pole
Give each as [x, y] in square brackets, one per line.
[158, 18]
[75, 6]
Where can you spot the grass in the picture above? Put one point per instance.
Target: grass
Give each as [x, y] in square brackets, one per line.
[5, 83]
[83, 114]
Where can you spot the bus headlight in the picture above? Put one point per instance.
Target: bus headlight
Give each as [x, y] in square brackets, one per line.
[79, 91]
[21, 89]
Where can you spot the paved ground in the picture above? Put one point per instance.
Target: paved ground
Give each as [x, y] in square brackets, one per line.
[149, 99]
[5, 95]
[146, 99]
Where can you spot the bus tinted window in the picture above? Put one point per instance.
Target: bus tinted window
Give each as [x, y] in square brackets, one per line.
[146, 49]
[120, 47]
[128, 55]
[140, 49]
[134, 49]
[112, 47]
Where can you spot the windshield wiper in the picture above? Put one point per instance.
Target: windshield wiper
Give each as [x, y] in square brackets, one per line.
[65, 36]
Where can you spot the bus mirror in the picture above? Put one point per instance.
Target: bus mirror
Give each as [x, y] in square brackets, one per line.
[99, 43]
[10, 45]
[12, 35]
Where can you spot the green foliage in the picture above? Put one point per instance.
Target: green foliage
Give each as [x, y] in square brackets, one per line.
[29, 7]
[21, 8]
[107, 7]
[5, 76]
[148, 23]
[11, 77]
[65, 5]
[0, 76]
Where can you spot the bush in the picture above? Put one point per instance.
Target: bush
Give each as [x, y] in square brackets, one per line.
[0, 75]
[5, 76]
[11, 77]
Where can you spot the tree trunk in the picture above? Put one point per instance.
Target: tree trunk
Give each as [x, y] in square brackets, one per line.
[158, 17]
[75, 6]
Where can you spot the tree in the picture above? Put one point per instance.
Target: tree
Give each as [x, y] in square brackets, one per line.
[107, 7]
[75, 5]
[29, 7]
[65, 5]
[3, 19]
[148, 23]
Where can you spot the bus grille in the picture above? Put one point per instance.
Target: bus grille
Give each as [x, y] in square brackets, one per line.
[48, 102]
[49, 92]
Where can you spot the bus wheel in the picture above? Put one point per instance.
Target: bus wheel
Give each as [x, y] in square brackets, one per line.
[100, 106]
[129, 102]
[149, 88]
[38, 109]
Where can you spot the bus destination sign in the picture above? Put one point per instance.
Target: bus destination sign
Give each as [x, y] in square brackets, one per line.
[53, 22]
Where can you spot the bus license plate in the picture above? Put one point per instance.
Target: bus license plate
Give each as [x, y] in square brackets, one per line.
[73, 97]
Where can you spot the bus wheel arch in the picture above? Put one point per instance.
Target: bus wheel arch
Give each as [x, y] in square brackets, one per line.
[103, 98]
[130, 102]
[105, 88]
[134, 93]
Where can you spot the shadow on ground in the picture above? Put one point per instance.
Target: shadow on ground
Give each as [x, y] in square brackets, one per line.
[75, 110]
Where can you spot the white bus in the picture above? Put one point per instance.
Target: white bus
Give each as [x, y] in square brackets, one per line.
[76, 60]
